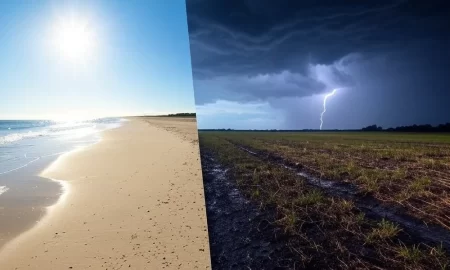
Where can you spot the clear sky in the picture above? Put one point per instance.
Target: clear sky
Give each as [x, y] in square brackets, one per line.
[69, 59]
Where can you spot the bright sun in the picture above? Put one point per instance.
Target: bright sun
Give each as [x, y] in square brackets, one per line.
[74, 38]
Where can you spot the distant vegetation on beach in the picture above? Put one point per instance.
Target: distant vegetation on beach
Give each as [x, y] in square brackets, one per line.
[181, 115]
[173, 115]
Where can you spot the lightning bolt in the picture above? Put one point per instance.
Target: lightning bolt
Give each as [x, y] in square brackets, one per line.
[325, 106]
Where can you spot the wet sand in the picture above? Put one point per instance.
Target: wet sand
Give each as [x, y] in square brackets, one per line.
[135, 200]
[26, 200]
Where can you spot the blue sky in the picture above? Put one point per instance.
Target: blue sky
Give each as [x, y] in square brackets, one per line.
[140, 63]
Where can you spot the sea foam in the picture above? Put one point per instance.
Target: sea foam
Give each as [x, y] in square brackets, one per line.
[3, 189]
[13, 137]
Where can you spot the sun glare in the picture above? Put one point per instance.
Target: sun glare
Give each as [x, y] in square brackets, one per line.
[74, 38]
[73, 117]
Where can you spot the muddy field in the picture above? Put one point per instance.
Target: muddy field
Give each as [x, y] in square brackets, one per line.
[327, 200]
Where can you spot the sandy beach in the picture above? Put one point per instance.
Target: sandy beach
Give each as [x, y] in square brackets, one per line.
[133, 201]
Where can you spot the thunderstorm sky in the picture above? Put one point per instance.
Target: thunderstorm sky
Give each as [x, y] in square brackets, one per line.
[262, 64]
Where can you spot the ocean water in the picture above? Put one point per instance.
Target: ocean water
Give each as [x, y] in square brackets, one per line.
[23, 143]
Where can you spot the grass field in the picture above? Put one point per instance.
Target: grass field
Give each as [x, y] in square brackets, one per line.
[410, 171]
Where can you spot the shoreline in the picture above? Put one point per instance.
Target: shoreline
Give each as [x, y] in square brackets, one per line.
[47, 233]
[26, 200]
[55, 191]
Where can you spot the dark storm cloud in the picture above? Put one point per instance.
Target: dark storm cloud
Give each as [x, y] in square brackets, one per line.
[256, 88]
[263, 35]
[263, 49]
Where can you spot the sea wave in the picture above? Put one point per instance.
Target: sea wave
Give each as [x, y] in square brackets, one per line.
[13, 137]
[23, 124]
[3, 189]
[76, 128]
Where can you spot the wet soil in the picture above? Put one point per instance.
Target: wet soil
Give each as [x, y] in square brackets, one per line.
[241, 235]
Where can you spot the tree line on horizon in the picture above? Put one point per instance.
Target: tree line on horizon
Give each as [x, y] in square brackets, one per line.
[412, 128]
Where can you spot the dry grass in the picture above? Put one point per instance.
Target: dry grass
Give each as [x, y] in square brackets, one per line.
[324, 230]
[410, 170]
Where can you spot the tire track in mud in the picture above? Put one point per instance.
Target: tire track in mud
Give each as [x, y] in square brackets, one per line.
[240, 234]
[413, 230]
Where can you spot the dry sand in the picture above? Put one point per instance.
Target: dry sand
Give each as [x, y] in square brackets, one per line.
[135, 201]
[181, 126]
